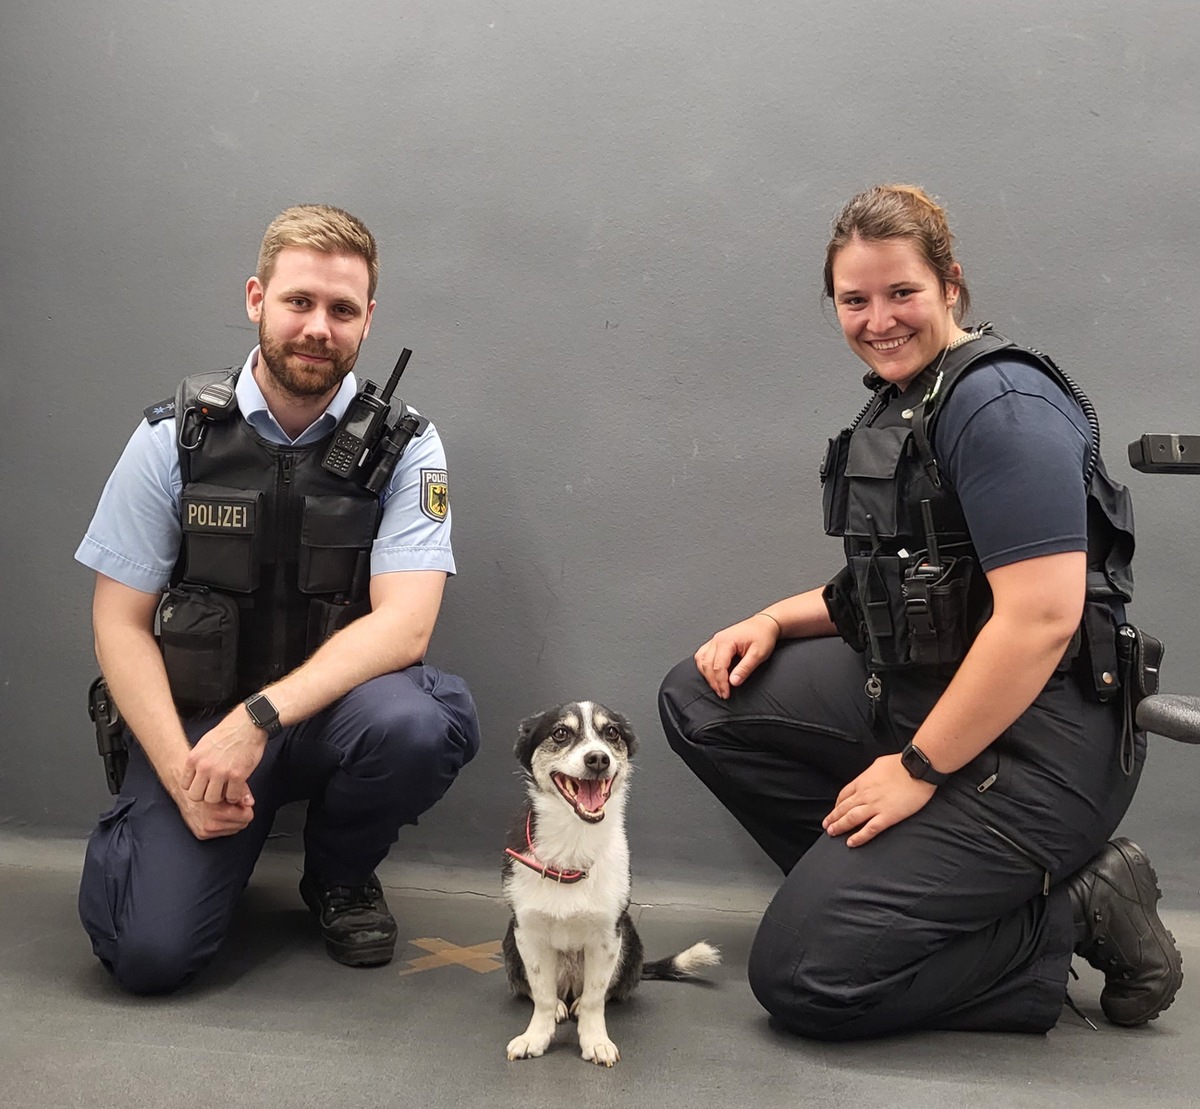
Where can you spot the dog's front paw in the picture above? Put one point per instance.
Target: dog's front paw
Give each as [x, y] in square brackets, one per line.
[603, 1053]
[561, 1012]
[526, 1046]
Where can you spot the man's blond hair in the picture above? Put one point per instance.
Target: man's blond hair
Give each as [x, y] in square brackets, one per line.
[321, 228]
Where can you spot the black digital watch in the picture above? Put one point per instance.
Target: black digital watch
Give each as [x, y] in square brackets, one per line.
[264, 714]
[913, 759]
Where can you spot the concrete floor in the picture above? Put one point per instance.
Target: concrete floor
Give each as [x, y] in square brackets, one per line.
[276, 1023]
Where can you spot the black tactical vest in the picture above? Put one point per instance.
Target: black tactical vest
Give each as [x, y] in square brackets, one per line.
[913, 593]
[275, 557]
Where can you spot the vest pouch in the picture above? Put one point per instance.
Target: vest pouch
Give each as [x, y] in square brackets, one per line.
[872, 491]
[881, 607]
[838, 596]
[936, 612]
[911, 617]
[198, 633]
[334, 533]
[221, 527]
[328, 617]
[833, 483]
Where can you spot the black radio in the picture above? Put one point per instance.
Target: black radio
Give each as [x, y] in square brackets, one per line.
[357, 431]
[364, 449]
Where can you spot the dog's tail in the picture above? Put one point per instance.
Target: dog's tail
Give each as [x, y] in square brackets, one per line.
[687, 964]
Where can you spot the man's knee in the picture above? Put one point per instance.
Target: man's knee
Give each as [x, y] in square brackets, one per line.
[152, 963]
[418, 720]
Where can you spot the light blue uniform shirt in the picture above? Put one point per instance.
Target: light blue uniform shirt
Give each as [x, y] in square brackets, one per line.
[134, 536]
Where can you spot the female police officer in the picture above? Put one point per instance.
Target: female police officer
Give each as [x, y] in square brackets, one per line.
[939, 781]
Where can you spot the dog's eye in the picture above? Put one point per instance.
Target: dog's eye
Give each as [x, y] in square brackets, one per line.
[560, 734]
[612, 733]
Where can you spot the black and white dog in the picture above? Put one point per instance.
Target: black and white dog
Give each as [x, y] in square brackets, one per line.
[571, 944]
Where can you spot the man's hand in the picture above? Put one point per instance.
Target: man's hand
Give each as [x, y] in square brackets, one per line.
[749, 641]
[882, 795]
[216, 769]
[209, 820]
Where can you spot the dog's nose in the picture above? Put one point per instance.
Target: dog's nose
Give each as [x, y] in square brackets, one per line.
[596, 761]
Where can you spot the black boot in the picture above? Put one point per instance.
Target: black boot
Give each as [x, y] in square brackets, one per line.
[359, 930]
[1118, 931]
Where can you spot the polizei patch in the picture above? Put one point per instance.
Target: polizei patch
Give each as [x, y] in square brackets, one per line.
[435, 494]
[224, 517]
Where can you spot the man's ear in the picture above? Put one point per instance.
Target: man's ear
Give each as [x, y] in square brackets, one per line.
[255, 293]
[370, 313]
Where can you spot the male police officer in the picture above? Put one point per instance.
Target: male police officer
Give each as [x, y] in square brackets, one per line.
[288, 661]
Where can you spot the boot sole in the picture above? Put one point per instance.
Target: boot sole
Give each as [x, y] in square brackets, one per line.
[360, 954]
[376, 954]
[1145, 881]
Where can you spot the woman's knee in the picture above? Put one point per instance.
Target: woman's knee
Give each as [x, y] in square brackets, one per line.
[791, 982]
[679, 690]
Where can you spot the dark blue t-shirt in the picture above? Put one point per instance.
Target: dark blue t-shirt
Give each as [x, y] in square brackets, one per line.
[1014, 446]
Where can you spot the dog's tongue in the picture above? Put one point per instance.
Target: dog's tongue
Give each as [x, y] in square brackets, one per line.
[591, 794]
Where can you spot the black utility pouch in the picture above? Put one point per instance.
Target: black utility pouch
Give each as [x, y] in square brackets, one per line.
[326, 617]
[333, 530]
[873, 495]
[1140, 657]
[198, 633]
[833, 483]
[839, 603]
[936, 612]
[220, 536]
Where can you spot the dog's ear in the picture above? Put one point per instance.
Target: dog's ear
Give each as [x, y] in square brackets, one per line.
[622, 722]
[529, 735]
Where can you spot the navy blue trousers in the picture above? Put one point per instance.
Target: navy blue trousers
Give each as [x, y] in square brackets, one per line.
[956, 918]
[157, 902]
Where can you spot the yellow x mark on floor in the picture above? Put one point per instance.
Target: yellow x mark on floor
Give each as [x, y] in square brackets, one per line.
[481, 957]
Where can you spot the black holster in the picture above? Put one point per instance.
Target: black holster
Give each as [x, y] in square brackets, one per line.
[110, 734]
[1139, 657]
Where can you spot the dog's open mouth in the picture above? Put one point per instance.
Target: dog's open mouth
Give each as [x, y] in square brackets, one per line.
[587, 796]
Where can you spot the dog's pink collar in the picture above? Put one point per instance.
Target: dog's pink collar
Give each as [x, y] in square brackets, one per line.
[564, 876]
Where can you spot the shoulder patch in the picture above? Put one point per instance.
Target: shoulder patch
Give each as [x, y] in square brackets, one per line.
[163, 410]
[435, 494]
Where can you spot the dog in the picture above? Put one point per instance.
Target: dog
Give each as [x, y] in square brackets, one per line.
[571, 945]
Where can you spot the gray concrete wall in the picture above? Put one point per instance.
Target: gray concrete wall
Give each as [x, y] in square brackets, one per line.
[602, 227]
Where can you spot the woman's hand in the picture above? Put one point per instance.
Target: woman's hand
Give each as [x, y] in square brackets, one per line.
[748, 642]
[882, 795]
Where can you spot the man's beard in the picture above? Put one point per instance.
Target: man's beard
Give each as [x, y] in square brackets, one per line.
[303, 379]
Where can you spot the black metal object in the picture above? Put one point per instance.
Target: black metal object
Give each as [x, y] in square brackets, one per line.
[1175, 716]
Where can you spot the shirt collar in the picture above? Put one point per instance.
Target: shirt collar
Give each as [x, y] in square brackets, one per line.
[253, 407]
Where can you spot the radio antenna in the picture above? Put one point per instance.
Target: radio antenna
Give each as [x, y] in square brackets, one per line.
[394, 380]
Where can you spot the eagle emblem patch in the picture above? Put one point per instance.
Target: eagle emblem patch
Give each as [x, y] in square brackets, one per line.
[435, 495]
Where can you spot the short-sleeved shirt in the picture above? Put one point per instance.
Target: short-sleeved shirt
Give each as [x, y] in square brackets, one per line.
[135, 534]
[1015, 448]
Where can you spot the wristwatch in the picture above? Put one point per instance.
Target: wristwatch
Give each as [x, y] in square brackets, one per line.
[913, 759]
[264, 714]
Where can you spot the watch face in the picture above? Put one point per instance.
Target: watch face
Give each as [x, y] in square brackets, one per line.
[915, 762]
[261, 711]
